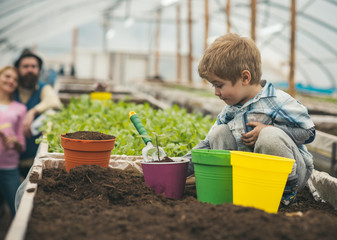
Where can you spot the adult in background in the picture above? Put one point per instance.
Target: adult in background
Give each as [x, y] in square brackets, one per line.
[12, 141]
[38, 98]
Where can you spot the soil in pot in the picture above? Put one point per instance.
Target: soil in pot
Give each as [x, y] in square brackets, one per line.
[166, 176]
[88, 135]
[91, 202]
[87, 148]
[165, 159]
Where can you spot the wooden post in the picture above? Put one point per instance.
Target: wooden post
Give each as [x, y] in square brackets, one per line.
[157, 44]
[112, 63]
[33, 47]
[73, 54]
[206, 31]
[178, 44]
[253, 19]
[333, 159]
[228, 13]
[74, 46]
[190, 46]
[206, 24]
[104, 42]
[292, 49]
[105, 26]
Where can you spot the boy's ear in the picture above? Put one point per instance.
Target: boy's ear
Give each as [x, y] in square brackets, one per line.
[246, 77]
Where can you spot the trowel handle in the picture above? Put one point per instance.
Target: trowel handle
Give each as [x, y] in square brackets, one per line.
[139, 126]
[5, 125]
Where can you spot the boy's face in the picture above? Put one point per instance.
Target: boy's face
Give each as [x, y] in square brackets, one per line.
[239, 93]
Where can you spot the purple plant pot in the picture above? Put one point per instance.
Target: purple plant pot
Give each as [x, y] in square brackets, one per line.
[166, 178]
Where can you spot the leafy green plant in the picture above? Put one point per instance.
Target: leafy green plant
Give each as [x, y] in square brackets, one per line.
[157, 143]
[184, 130]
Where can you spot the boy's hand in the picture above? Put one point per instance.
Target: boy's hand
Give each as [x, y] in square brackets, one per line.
[249, 138]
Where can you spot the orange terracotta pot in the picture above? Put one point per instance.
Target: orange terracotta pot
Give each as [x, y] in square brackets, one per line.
[86, 152]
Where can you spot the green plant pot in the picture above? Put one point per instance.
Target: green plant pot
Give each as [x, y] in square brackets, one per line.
[213, 175]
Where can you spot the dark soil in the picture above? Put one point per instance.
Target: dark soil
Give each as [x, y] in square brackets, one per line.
[166, 159]
[91, 202]
[88, 135]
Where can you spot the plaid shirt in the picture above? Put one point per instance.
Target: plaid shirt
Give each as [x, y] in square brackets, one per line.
[270, 106]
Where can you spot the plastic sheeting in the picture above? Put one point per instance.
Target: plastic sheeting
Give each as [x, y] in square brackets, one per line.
[323, 187]
[129, 25]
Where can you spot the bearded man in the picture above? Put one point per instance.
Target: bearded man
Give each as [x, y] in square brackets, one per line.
[38, 98]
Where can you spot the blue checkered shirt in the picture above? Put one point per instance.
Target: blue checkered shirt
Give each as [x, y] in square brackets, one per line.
[270, 106]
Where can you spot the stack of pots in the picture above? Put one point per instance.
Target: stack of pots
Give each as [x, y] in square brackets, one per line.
[242, 178]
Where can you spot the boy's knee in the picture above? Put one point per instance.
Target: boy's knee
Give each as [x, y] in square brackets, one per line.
[218, 132]
[270, 137]
[222, 138]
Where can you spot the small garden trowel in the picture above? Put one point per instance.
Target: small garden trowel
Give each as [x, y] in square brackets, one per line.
[148, 142]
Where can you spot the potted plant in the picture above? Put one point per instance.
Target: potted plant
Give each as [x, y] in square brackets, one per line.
[164, 175]
[87, 148]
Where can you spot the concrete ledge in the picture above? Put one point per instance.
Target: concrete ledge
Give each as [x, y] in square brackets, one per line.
[323, 142]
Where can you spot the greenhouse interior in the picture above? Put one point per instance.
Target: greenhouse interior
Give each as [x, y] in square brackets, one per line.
[168, 119]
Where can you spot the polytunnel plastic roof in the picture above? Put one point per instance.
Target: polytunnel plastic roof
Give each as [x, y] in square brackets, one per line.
[29, 22]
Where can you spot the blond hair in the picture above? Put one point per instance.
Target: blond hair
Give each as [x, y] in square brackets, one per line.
[5, 68]
[228, 56]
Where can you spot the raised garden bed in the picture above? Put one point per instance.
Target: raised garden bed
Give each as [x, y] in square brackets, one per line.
[95, 203]
[108, 203]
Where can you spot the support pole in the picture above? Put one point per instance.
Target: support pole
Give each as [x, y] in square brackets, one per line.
[74, 46]
[253, 20]
[333, 159]
[190, 46]
[292, 49]
[178, 43]
[157, 44]
[73, 54]
[228, 14]
[206, 24]
[206, 30]
[105, 26]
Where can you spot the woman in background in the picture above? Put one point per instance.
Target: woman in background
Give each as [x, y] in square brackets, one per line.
[12, 141]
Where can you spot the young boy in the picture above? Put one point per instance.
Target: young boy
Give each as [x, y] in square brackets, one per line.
[257, 118]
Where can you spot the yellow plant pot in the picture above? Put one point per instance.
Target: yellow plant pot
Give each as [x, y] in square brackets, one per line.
[259, 179]
[100, 96]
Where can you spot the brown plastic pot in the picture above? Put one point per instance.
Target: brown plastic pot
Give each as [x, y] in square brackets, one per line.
[86, 152]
